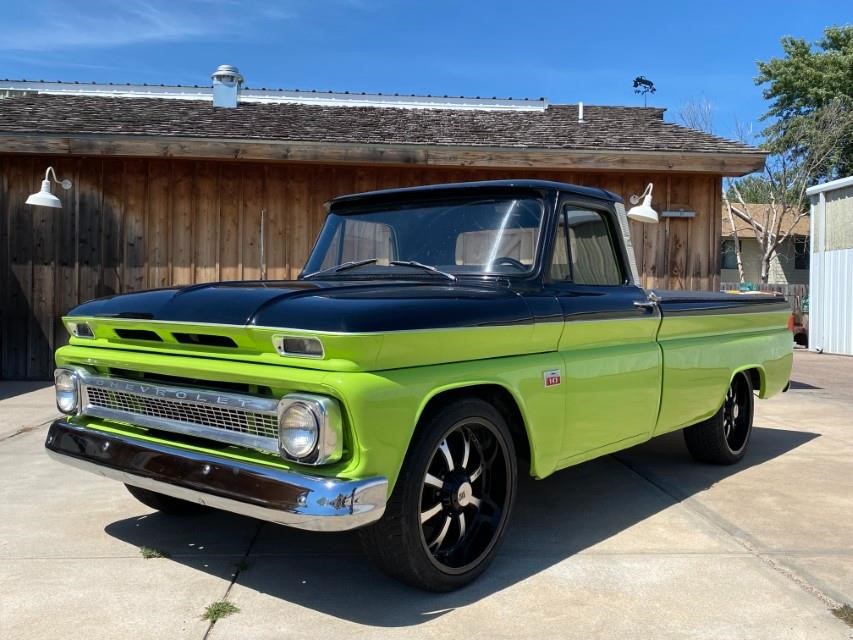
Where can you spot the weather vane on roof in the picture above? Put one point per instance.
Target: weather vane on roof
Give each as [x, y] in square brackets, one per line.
[643, 86]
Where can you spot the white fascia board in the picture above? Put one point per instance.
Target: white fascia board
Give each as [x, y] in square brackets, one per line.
[830, 186]
[276, 96]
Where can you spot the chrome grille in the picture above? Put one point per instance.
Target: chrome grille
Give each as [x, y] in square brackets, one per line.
[239, 420]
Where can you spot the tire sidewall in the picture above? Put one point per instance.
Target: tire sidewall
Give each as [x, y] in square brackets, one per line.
[735, 456]
[427, 440]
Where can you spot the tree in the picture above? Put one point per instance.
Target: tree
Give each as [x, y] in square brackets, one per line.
[697, 114]
[805, 80]
[813, 140]
[809, 137]
[754, 189]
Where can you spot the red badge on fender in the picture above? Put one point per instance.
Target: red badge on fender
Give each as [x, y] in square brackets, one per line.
[552, 377]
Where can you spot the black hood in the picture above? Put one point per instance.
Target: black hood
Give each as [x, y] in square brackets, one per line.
[322, 305]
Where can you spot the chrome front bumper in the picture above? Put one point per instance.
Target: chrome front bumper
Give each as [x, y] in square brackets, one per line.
[285, 497]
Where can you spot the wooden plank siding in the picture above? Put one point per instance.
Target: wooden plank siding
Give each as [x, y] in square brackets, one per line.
[134, 223]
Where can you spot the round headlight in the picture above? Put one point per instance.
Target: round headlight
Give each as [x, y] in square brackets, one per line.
[298, 431]
[67, 395]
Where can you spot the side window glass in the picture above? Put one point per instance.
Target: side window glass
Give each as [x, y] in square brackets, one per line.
[593, 258]
[560, 261]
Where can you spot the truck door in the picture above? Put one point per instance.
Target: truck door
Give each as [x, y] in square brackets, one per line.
[611, 361]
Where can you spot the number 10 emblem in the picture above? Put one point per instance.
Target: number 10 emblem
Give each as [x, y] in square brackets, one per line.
[552, 377]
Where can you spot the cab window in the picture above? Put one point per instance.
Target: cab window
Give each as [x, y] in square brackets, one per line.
[584, 252]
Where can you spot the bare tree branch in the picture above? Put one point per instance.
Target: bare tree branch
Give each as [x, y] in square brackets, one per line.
[697, 114]
[738, 255]
[746, 217]
[743, 131]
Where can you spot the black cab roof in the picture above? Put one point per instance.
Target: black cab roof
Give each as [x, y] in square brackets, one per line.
[456, 188]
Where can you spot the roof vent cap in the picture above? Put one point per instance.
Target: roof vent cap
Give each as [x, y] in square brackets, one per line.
[227, 81]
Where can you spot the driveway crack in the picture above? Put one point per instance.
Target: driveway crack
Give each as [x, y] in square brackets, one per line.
[27, 429]
[238, 569]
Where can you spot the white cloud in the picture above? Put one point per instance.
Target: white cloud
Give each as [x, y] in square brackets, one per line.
[58, 25]
[53, 25]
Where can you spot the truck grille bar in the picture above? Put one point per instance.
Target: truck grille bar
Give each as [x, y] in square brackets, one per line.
[243, 420]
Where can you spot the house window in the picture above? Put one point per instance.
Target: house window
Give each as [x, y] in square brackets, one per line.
[728, 254]
[801, 252]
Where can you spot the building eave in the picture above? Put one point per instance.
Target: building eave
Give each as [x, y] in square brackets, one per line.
[719, 163]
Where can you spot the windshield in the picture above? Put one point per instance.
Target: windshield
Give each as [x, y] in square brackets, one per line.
[487, 235]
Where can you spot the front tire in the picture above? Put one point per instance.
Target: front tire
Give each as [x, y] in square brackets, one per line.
[164, 503]
[723, 438]
[452, 501]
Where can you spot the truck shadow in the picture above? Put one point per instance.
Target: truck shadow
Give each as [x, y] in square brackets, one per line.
[795, 384]
[554, 519]
[12, 388]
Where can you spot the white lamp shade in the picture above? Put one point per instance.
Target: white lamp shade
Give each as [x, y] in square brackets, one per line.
[644, 212]
[45, 198]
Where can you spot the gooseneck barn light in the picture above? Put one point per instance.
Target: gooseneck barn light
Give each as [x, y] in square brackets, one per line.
[643, 212]
[44, 198]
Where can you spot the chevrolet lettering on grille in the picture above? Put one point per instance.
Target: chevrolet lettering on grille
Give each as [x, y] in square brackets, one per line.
[179, 394]
[243, 420]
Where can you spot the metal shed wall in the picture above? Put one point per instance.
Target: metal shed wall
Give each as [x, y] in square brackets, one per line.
[831, 280]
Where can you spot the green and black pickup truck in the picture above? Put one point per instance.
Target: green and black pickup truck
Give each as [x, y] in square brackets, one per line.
[439, 340]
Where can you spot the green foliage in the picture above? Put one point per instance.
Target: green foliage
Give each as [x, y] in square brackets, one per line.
[755, 189]
[807, 80]
[778, 184]
[219, 609]
[149, 553]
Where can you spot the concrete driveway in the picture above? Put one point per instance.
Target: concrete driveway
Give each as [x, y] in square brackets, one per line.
[645, 544]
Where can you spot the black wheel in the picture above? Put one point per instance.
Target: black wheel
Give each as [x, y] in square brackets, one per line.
[450, 506]
[164, 503]
[724, 437]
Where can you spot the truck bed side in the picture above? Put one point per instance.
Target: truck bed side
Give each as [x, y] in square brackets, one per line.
[706, 338]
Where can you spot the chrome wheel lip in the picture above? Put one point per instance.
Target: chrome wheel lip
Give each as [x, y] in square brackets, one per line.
[462, 520]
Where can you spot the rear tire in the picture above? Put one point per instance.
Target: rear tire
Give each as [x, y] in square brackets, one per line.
[164, 503]
[450, 506]
[724, 437]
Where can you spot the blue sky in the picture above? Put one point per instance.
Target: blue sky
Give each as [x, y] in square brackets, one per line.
[566, 51]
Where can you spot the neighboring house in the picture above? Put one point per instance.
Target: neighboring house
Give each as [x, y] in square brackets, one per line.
[790, 265]
[173, 186]
[831, 286]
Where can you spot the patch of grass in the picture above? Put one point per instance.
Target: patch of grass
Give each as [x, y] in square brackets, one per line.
[219, 609]
[148, 553]
[844, 612]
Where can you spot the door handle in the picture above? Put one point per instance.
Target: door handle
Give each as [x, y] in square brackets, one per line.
[645, 305]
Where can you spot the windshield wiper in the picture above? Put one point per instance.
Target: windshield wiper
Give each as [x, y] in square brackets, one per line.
[346, 266]
[341, 267]
[425, 267]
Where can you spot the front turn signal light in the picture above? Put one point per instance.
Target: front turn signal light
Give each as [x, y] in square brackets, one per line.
[298, 346]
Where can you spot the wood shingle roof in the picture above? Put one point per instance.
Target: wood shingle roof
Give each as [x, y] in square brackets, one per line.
[557, 127]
